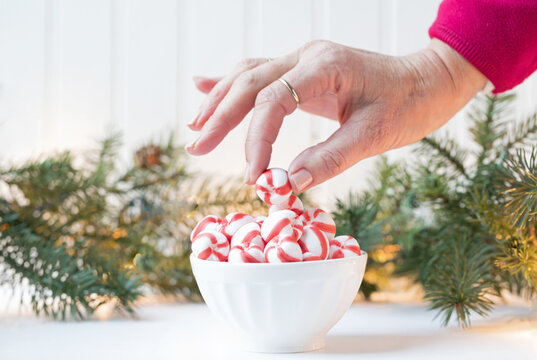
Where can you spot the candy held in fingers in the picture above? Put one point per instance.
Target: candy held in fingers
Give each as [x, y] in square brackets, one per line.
[281, 223]
[282, 249]
[293, 203]
[246, 253]
[209, 222]
[248, 234]
[321, 220]
[273, 186]
[234, 221]
[210, 245]
[314, 244]
[344, 246]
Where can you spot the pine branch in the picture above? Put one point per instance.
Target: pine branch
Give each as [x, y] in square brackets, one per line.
[523, 133]
[488, 123]
[519, 256]
[449, 151]
[461, 279]
[521, 188]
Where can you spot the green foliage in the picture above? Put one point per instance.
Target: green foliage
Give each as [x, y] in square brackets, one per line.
[463, 268]
[376, 218]
[467, 216]
[81, 236]
[521, 189]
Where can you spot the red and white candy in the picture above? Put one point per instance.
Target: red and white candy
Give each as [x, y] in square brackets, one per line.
[234, 221]
[288, 234]
[321, 220]
[210, 222]
[281, 223]
[246, 253]
[247, 234]
[344, 246]
[314, 244]
[283, 248]
[247, 245]
[273, 186]
[210, 245]
[260, 219]
[293, 203]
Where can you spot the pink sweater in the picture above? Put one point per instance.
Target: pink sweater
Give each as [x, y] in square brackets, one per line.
[498, 37]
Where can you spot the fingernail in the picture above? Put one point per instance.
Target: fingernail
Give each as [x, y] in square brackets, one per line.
[196, 78]
[190, 124]
[247, 173]
[191, 146]
[301, 179]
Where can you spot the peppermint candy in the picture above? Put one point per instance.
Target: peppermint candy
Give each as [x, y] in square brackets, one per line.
[248, 233]
[246, 253]
[283, 248]
[293, 203]
[314, 244]
[210, 222]
[344, 246]
[288, 234]
[281, 223]
[234, 221]
[210, 245]
[260, 219]
[273, 186]
[321, 220]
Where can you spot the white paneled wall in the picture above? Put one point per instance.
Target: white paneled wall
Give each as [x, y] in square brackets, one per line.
[71, 70]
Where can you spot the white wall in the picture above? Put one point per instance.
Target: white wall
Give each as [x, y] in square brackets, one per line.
[71, 69]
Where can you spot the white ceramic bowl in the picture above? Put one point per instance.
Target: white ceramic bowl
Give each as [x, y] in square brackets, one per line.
[280, 308]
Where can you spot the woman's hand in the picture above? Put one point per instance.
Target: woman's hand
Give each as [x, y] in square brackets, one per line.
[381, 102]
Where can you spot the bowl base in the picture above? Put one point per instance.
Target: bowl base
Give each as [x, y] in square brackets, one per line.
[313, 345]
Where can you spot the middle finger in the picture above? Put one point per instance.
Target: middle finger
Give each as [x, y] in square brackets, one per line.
[238, 102]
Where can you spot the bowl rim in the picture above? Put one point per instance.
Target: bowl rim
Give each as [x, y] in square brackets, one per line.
[363, 255]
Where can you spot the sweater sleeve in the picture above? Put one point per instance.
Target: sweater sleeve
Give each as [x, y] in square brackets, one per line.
[498, 37]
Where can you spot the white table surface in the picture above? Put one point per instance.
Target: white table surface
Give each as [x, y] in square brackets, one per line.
[191, 331]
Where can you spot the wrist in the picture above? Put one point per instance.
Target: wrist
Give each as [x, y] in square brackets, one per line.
[441, 83]
[466, 78]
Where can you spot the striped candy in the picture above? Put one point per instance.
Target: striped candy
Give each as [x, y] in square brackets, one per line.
[314, 244]
[234, 221]
[321, 220]
[210, 245]
[260, 219]
[281, 223]
[293, 203]
[210, 222]
[246, 253]
[248, 233]
[273, 186]
[344, 246]
[247, 245]
[283, 248]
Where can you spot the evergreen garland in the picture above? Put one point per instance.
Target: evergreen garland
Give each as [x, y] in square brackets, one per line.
[461, 221]
[79, 237]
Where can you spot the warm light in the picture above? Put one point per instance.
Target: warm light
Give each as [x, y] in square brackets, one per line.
[119, 233]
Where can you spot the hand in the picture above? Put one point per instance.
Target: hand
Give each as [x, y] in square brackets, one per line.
[381, 103]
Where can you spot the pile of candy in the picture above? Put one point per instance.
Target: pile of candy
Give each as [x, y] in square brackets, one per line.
[288, 234]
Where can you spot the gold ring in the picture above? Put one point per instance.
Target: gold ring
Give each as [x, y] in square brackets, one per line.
[291, 90]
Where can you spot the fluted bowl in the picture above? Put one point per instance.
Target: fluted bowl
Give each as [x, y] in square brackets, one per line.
[279, 308]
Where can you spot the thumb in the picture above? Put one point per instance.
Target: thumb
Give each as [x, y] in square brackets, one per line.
[205, 84]
[325, 160]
